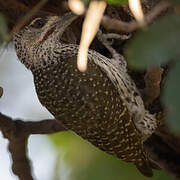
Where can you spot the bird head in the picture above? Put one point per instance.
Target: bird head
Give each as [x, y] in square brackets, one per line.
[38, 35]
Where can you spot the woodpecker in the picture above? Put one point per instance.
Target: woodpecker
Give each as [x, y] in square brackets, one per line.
[102, 104]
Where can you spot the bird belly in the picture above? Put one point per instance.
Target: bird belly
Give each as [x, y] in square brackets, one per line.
[91, 107]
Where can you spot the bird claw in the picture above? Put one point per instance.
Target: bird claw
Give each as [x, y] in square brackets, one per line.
[116, 36]
[105, 40]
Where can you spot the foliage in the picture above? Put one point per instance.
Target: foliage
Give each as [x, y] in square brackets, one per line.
[117, 2]
[157, 44]
[171, 97]
[175, 2]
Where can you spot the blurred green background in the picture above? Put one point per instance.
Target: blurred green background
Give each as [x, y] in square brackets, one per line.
[87, 162]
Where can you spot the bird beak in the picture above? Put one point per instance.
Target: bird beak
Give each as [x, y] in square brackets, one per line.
[62, 23]
[58, 26]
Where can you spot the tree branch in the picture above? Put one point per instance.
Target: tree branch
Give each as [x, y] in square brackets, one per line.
[152, 79]
[114, 24]
[17, 132]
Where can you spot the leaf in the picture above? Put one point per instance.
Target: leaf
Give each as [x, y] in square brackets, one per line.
[175, 2]
[172, 98]
[157, 44]
[117, 2]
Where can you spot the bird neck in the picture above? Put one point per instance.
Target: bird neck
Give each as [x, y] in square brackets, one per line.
[35, 56]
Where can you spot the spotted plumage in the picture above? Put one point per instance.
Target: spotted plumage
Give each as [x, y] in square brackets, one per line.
[101, 105]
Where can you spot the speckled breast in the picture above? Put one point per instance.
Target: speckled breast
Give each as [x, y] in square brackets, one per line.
[90, 105]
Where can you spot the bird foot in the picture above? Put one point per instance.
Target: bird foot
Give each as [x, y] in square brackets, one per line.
[107, 41]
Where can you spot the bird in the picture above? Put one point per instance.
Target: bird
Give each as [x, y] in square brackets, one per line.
[102, 105]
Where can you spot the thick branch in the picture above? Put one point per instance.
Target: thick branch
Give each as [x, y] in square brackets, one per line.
[27, 128]
[21, 164]
[17, 132]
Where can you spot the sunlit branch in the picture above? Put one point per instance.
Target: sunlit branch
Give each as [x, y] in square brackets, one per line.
[76, 6]
[136, 9]
[89, 30]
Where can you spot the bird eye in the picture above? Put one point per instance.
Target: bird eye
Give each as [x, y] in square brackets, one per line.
[38, 23]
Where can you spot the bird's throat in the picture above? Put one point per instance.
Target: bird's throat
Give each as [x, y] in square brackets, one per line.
[47, 34]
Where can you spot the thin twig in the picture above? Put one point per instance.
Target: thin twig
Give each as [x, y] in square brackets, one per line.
[114, 24]
[1, 91]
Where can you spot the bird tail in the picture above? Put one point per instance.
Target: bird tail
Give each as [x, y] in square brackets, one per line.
[163, 147]
[146, 166]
